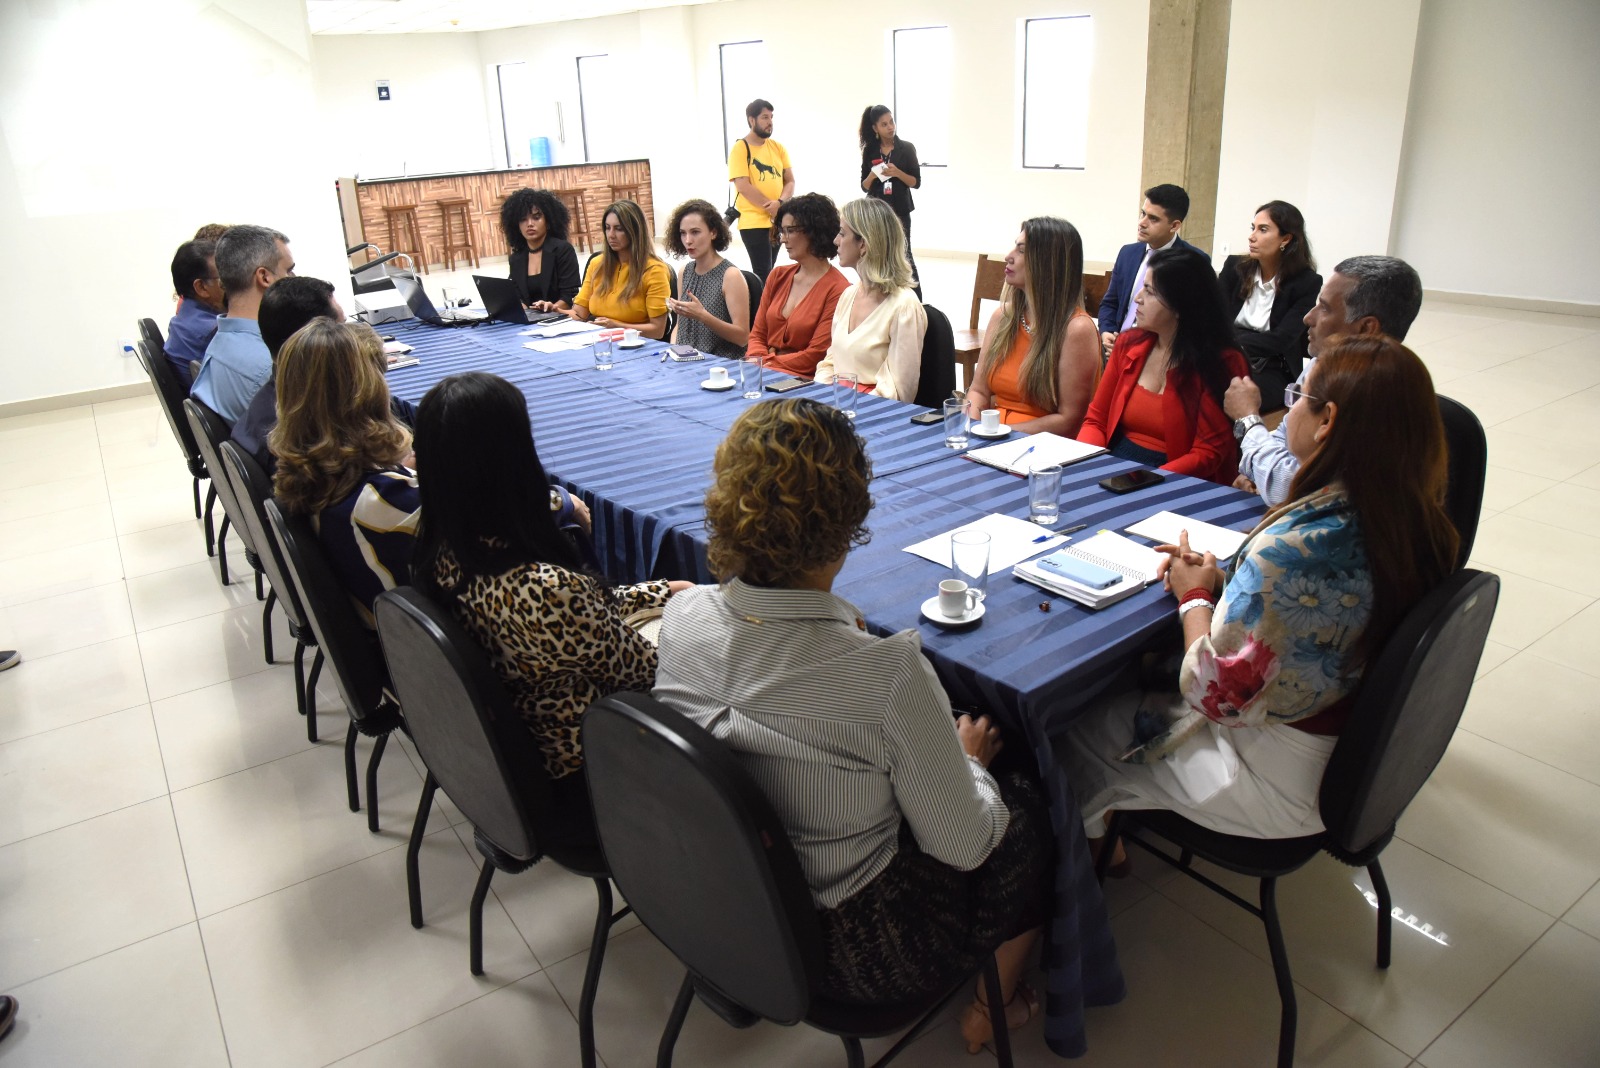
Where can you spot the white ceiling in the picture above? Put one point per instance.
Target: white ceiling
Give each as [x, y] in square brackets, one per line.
[462, 16]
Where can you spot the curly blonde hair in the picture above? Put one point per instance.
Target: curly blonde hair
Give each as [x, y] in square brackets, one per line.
[334, 420]
[789, 493]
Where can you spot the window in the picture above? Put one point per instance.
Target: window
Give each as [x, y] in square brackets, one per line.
[744, 78]
[1055, 92]
[922, 91]
[603, 110]
[525, 118]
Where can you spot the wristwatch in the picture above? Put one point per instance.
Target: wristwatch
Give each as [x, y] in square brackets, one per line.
[1241, 427]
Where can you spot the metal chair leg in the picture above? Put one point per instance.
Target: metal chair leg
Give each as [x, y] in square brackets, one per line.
[350, 767]
[1002, 1033]
[591, 974]
[853, 1057]
[680, 1009]
[260, 593]
[1280, 970]
[222, 549]
[211, 534]
[300, 677]
[419, 828]
[266, 623]
[378, 745]
[311, 698]
[1380, 886]
[475, 917]
[196, 481]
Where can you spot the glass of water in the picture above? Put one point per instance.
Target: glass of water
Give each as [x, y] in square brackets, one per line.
[969, 559]
[1044, 495]
[845, 393]
[602, 353]
[750, 377]
[955, 424]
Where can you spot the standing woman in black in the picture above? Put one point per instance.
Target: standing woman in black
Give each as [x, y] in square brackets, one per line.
[544, 266]
[890, 171]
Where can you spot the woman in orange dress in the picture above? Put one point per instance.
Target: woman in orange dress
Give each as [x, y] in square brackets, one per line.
[793, 327]
[1041, 352]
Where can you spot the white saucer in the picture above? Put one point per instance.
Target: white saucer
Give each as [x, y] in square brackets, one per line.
[977, 430]
[631, 344]
[713, 387]
[930, 608]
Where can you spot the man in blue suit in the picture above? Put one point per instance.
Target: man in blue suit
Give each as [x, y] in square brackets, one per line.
[1160, 219]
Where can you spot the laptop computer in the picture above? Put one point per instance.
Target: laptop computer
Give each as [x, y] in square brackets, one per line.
[502, 302]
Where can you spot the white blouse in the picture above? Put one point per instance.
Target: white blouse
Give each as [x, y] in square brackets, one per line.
[884, 351]
[1257, 311]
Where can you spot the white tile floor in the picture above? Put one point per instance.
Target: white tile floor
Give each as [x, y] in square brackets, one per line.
[181, 882]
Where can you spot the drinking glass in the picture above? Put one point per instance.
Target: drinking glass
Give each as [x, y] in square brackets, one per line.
[955, 424]
[969, 559]
[845, 393]
[1044, 495]
[750, 377]
[602, 354]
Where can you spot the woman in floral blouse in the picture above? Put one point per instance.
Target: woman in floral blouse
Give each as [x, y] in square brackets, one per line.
[1274, 656]
[489, 548]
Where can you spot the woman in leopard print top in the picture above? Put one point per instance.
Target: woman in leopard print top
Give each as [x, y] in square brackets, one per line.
[490, 549]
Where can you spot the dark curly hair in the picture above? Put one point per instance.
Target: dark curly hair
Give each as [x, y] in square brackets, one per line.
[720, 237]
[523, 203]
[789, 493]
[817, 217]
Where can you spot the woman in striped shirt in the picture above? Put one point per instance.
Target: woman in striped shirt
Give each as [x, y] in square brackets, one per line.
[920, 862]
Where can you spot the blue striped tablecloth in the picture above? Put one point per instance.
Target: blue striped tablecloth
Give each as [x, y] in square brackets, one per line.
[637, 443]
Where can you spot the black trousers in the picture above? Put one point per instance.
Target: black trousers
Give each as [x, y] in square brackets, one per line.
[759, 244]
[905, 223]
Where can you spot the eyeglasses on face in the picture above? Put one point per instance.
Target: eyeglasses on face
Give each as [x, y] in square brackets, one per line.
[1292, 393]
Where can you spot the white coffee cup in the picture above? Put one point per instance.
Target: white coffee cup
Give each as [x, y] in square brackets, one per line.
[956, 598]
[991, 420]
[630, 337]
[719, 375]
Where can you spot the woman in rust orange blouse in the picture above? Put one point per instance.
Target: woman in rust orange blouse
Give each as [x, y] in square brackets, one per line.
[793, 327]
[1041, 352]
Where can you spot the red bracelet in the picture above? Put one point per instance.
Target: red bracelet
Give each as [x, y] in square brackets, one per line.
[1199, 593]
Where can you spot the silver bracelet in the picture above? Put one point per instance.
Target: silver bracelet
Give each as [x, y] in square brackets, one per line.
[1189, 606]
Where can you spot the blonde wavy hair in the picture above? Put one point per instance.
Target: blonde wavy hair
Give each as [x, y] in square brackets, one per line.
[883, 265]
[789, 493]
[334, 421]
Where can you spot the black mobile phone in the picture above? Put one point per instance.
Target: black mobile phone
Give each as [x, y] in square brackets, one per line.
[1132, 480]
[786, 385]
[928, 418]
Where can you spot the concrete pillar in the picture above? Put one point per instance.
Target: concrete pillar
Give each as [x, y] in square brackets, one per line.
[1185, 77]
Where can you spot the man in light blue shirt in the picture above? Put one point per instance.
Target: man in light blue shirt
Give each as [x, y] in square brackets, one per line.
[237, 363]
[1363, 295]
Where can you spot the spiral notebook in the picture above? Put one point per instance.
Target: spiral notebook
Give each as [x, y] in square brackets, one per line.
[1136, 563]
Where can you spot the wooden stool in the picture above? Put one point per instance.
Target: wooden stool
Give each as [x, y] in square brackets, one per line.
[578, 223]
[405, 233]
[627, 192]
[457, 211]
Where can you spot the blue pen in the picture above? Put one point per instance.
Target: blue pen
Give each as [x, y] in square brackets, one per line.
[1023, 455]
[1059, 533]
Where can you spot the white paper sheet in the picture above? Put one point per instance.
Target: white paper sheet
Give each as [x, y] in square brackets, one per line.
[1163, 529]
[558, 329]
[1011, 541]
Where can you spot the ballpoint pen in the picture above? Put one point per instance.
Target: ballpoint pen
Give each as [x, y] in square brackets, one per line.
[1023, 455]
[1059, 533]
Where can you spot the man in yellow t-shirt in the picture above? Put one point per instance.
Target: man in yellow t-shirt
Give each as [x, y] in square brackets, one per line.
[759, 169]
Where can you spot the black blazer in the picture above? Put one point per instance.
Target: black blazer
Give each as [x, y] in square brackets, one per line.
[558, 274]
[1285, 336]
[904, 156]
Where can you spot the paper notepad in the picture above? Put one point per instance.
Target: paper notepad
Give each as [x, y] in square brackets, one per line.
[1136, 563]
[1163, 529]
[1010, 540]
[1033, 450]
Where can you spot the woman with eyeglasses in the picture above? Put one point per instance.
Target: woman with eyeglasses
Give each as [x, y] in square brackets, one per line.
[794, 323]
[1275, 651]
[1269, 291]
[1159, 401]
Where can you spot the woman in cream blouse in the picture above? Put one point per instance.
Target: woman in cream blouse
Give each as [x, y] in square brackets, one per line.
[879, 323]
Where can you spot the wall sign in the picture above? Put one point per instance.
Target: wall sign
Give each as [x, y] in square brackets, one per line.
[383, 90]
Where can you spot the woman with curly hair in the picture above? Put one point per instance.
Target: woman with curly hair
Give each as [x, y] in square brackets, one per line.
[628, 285]
[879, 323]
[794, 324]
[714, 312]
[342, 454]
[1276, 651]
[544, 266]
[920, 862]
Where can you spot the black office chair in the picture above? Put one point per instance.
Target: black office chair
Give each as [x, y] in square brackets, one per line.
[209, 433]
[1469, 462]
[347, 645]
[1404, 716]
[752, 282]
[477, 748]
[938, 381]
[151, 335]
[172, 393]
[253, 489]
[696, 848]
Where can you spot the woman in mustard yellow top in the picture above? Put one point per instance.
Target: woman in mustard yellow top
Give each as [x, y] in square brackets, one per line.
[628, 284]
[1041, 351]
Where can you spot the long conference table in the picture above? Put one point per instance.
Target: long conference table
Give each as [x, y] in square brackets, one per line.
[636, 442]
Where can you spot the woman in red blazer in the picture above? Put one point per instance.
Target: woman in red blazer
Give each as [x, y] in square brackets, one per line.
[1160, 399]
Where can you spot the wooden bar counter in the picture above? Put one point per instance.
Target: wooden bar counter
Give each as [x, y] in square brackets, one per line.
[487, 190]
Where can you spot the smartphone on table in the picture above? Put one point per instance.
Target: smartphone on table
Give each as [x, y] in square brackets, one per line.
[1132, 480]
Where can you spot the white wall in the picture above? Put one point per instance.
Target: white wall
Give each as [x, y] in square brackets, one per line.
[1315, 114]
[1497, 184]
[436, 119]
[113, 155]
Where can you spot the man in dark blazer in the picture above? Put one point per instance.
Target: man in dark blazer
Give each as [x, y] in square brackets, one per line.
[1160, 219]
